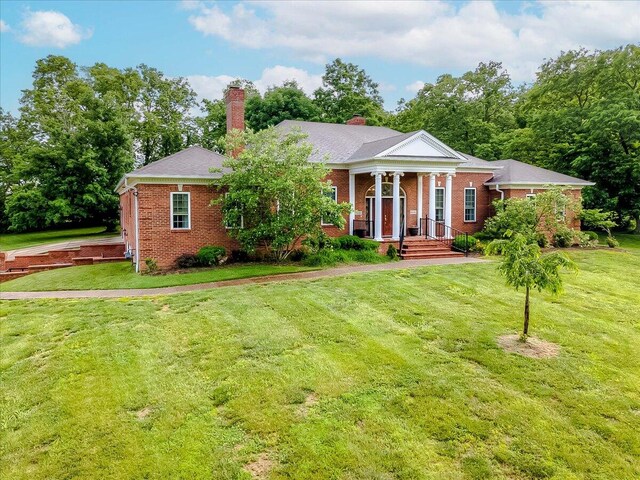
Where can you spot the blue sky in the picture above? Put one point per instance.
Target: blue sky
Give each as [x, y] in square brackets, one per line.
[400, 44]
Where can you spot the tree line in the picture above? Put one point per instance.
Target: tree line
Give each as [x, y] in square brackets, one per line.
[79, 129]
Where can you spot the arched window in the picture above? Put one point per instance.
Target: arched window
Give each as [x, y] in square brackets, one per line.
[387, 190]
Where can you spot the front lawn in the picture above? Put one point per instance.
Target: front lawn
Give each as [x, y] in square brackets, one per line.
[14, 241]
[122, 275]
[391, 374]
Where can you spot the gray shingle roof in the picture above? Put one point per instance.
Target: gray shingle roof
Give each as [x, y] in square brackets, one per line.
[191, 162]
[338, 142]
[515, 172]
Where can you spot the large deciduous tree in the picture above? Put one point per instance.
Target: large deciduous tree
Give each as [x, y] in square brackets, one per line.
[348, 90]
[78, 148]
[286, 102]
[273, 196]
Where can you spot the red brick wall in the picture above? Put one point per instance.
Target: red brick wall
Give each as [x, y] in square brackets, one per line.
[234, 100]
[127, 219]
[340, 179]
[483, 200]
[159, 242]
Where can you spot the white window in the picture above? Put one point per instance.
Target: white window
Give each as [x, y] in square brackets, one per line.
[439, 204]
[332, 193]
[180, 210]
[469, 204]
[230, 226]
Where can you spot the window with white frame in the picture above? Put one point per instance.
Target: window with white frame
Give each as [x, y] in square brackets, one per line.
[180, 211]
[239, 224]
[469, 204]
[332, 193]
[439, 204]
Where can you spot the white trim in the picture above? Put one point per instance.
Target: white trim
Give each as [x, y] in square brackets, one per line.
[430, 140]
[182, 229]
[335, 199]
[352, 201]
[540, 185]
[475, 205]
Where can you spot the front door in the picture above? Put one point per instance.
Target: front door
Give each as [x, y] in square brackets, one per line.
[387, 217]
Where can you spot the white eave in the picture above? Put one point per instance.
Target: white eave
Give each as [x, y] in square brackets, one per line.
[131, 180]
[528, 185]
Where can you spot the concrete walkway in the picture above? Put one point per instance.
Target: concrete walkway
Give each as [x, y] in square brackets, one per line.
[329, 272]
[44, 248]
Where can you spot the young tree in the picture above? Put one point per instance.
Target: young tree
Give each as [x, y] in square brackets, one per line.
[272, 197]
[596, 218]
[523, 265]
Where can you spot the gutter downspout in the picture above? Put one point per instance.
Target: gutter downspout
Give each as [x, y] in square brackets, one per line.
[135, 196]
[501, 191]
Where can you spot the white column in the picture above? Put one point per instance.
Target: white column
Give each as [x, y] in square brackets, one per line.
[447, 200]
[395, 233]
[352, 201]
[419, 206]
[378, 207]
[432, 204]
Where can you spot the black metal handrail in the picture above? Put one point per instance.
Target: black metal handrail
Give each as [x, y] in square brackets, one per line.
[445, 234]
[363, 228]
[401, 236]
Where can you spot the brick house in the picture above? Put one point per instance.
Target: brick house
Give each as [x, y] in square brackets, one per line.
[398, 183]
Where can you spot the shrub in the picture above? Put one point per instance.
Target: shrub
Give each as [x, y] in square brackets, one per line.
[612, 242]
[586, 240]
[328, 258]
[462, 242]
[392, 252]
[152, 265]
[590, 234]
[239, 256]
[563, 238]
[542, 240]
[482, 236]
[298, 254]
[318, 242]
[210, 255]
[351, 242]
[187, 260]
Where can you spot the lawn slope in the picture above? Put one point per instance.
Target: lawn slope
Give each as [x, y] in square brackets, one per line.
[378, 375]
[14, 241]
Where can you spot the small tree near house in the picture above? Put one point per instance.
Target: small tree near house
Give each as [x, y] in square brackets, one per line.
[596, 218]
[272, 196]
[523, 265]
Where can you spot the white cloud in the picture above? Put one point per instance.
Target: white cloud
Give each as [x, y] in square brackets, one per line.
[414, 87]
[212, 87]
[4, 26]
[51, 29]
[433, 34]
[190, 4]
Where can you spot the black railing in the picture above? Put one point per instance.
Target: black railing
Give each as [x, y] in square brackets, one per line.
[445, 234]
[401, 236]
[363, 228]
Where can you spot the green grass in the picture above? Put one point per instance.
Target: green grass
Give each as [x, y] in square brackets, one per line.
[372, 376]
[14, 241]
[122, 275]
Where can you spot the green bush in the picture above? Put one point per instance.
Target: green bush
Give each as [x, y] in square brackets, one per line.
[462, 242]
[187, 260]
[542, 240]
[612, 242]
[152, 265]
[563, 238]
[590, 234]
[392, 252]
[210, 255]
[328, 258]
[316, 243]
[351, 242]
[483, 236]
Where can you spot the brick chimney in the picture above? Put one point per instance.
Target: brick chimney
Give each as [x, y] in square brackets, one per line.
[234, 98]
[357, 120]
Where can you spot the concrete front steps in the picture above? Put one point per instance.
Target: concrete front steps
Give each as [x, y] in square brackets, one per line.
[421, 248]
[87, 254]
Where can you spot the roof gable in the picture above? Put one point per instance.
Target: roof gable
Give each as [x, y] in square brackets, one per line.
[421, 144]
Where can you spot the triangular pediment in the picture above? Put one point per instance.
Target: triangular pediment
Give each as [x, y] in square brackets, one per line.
[421, 144]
